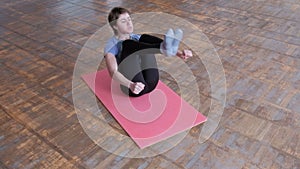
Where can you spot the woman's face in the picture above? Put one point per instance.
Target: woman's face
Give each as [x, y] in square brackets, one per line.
[124, 24]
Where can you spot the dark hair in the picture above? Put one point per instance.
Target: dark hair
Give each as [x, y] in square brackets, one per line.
[114, 15]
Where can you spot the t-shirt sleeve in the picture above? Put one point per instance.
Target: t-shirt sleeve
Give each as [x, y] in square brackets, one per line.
[111, 47]
[136, 37]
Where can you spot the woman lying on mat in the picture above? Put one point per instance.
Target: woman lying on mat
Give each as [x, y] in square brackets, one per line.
[130, 57]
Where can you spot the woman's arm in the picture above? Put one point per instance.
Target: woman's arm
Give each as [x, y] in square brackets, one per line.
[112, 66]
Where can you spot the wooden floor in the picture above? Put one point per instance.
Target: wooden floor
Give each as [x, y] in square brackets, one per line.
[259, 46]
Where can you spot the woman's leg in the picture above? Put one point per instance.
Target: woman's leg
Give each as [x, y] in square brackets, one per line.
[150, 71]
[135, 59]
[170, 44]
[150, 39]
[130, 46]
[148, 62]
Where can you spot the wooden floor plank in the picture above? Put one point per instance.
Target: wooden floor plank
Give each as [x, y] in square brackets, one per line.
[28, 150]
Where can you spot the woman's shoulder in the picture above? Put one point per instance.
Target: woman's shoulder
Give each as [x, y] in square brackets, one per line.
[111, 46]
[134, 36]
[112, 40]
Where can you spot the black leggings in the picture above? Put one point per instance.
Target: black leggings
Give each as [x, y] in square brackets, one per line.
[138, 63]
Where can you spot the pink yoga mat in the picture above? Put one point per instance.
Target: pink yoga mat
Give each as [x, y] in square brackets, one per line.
[147, 119]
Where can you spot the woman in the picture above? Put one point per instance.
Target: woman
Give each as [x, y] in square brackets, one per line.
[130, 57]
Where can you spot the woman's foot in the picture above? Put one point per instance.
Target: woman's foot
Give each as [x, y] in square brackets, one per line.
[166, 46]
[178, 34]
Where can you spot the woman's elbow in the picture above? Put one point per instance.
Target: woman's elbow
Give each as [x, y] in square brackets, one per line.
[112, 72]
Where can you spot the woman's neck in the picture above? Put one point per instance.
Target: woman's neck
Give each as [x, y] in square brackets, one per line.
[123, 36]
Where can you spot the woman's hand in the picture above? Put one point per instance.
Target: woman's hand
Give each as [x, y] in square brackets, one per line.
[136, 87]
[184, 54]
